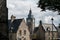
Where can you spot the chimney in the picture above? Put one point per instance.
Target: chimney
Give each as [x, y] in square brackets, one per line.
[59, 26]
[12, 18]
[40, 23]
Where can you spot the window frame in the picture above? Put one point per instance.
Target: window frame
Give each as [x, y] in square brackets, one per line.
[24, 32]
[20, 32]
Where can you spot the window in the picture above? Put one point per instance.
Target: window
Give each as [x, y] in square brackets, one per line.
[19, 38]
[20, 32]
[48, 29]
[24, 38]
[53, 34]
[24, 32]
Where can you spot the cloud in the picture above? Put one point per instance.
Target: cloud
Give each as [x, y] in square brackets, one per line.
[20, 8]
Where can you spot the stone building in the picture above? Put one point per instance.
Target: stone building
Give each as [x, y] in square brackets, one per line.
[3, 18]
[58, 28]
[44, 32]
[18, 30]
[49, 33]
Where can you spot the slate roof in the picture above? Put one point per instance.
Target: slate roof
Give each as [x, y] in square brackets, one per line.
[15, 24]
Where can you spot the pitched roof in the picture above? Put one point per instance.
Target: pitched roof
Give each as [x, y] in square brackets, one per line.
[15, 24]
[45, 26]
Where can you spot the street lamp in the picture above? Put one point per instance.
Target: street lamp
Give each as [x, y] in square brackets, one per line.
[52, 28]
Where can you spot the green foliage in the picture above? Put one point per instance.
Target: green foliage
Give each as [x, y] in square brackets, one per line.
[53, 5]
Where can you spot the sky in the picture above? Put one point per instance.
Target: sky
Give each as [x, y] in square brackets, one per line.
[20, 9]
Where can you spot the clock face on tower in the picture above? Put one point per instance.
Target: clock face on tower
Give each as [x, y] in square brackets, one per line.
[28, 20]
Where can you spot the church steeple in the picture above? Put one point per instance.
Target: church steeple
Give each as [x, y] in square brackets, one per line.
[30, 21]
[30, 13]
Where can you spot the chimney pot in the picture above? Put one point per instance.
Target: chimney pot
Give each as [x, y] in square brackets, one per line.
[12, 18]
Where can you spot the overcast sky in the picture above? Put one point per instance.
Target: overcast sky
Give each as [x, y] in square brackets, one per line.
[20, 9]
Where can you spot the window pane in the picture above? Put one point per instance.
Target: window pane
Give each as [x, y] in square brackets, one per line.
[24, 38]
[24, 32]
[19, 38]
[20, 33]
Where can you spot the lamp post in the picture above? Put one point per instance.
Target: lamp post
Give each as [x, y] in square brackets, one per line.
[52, 28]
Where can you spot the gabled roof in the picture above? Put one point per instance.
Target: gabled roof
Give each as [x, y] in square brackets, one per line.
[45, 26]
[15, 24]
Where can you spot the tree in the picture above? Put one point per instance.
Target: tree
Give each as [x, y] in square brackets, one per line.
[53, 5]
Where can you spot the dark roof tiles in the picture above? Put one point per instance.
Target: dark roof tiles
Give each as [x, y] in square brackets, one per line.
[15, 24]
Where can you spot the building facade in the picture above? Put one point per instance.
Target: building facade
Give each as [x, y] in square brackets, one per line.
[18, 30]
[44, 32]
[49, 33]
[21, 30]
[58, 28]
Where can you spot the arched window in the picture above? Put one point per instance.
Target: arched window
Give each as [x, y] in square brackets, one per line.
[48, 29]
[20, 32]
[24, 38]
[24, 32]
[19, 38]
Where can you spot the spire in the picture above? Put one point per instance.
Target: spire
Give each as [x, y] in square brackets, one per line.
[30, 12]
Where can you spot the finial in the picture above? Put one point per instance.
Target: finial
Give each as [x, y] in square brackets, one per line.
[40, 22]
[30, 12]
[59, 25]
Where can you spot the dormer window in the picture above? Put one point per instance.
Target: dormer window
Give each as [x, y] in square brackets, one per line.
[11, 29]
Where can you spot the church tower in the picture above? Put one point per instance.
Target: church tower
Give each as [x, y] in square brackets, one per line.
[31, 22]
[3, 17]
